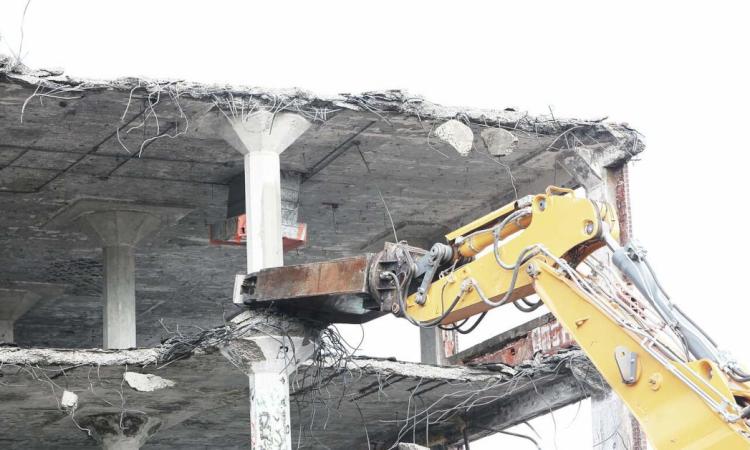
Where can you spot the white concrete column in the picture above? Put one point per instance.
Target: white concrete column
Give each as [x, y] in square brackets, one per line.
[117, 227]
[119, 297]
[270, 422]
[263, 210]
[268, 362]
[18, 298]
[119, 232]
[261, 137]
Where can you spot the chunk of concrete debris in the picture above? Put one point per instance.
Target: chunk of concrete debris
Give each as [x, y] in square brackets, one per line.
[405, 446]
[146, 382]
[499, 142]
[69, 400]
[457, 135]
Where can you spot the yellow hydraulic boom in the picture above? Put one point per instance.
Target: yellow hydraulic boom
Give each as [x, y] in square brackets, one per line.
[685, 394]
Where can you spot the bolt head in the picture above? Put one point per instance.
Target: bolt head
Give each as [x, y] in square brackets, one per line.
[589, 227]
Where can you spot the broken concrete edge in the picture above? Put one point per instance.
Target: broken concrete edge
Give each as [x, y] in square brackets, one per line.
[75, 357]
[319, 109]
[183, 346]
[574, 359]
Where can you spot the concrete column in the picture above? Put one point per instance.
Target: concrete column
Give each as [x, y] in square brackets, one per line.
[119, 232]
[263, 194]
[119, 297]
[270, 422]
[437, 345]
[18, 298]
[261, 137]
[269, 360]
[117, 227]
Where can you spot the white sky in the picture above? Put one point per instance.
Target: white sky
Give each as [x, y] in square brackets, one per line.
[676, 71]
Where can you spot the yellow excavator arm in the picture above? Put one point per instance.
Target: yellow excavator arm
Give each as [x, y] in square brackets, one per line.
[565, 249]
[682, 390]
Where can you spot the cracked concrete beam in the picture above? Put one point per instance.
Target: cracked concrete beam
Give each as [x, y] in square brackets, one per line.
[73, 357]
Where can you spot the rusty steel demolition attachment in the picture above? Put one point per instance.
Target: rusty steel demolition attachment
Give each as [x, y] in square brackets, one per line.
[362, 288]
[346, 290]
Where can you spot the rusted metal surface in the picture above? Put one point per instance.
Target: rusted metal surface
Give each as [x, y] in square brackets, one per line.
[549, 338]
[334, 291]
[512, 354]
[232, 231]
[449, 339]
[621, 184]
[541, 336]
[345, 276]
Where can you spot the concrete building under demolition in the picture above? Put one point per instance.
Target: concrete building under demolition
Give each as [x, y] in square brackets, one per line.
[127, 207]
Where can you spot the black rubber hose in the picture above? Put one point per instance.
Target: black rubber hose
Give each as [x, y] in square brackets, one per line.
[527, 306]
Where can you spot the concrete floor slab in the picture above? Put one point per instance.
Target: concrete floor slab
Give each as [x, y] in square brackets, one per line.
[337, 406]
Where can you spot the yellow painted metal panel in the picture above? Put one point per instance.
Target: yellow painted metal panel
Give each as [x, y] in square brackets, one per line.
[559, 222]
[482, 221]
[672, 415]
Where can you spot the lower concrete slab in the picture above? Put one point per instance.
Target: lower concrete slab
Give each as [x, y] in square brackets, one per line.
[341, 405]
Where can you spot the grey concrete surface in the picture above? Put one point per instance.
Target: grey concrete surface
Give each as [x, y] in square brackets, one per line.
[17, 298]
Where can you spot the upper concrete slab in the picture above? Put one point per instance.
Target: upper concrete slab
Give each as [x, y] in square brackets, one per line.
[146, 141]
